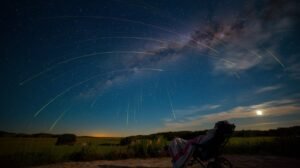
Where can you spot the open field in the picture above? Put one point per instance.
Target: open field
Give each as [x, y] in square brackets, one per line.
[19, 152]
[35, 151]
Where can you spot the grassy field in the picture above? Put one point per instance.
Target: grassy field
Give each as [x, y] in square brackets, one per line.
[282, 146]
[19, 152]
[35, 151]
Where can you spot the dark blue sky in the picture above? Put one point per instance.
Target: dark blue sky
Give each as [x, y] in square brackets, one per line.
[116, 68]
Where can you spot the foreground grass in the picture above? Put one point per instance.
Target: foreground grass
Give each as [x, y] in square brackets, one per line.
[21, 152]
[17, 152]
[282, 146]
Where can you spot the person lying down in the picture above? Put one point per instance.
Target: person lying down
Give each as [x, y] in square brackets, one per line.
[181, 150]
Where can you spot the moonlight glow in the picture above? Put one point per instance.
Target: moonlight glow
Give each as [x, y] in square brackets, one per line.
[259, 112]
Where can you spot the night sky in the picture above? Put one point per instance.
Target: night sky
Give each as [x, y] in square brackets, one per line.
[127, 67]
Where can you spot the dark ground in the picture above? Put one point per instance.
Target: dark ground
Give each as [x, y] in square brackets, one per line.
[242, 161]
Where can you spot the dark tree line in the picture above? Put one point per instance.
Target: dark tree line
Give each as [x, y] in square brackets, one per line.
[279, 132]
[291, 131]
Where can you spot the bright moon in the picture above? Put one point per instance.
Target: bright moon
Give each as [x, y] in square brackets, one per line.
[259, 112]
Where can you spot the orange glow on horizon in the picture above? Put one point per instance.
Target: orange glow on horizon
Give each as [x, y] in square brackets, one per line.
[102, 134]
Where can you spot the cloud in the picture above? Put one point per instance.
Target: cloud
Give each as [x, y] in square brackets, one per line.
[294, 71]
[270, 109]
[193, 110]
[269, 125]
[268, 89]
[245, 39]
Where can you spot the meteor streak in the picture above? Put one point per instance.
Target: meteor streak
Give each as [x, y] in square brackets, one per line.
[255, 53]
[127, 37]
[134, 111]
[94, 102]
[137, 22]
[37, 75]
[151, 69]
[58, 119]
[276, 58]
[76, 85]
[127, 117]
[70, 88]
[79, 57]
[111, 52]
[171, 104]
[141, 99]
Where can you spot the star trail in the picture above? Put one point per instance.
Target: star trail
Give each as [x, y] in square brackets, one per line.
[139, 67]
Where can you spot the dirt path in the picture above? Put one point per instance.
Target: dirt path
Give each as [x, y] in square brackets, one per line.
[237, 161]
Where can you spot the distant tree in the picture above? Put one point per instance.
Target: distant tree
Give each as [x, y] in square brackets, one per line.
[43, 135]
[66, 139]
[126, 141]
[6, 134]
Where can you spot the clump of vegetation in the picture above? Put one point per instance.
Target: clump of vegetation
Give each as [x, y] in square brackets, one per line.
[282, 146]
[125, 141]
[148, 147]
[66, 139]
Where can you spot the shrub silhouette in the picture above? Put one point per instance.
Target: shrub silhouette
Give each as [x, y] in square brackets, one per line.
[126, 141]
[66, 139]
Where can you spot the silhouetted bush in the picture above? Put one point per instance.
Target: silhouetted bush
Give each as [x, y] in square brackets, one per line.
[126, 141]
[66, 139]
